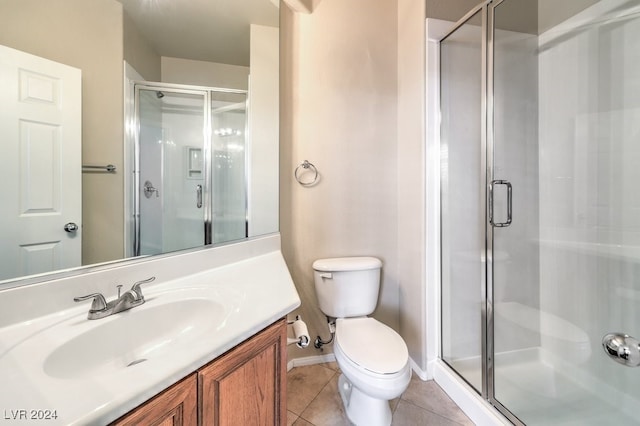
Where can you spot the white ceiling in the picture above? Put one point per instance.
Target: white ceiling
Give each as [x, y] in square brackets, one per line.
[205, 30]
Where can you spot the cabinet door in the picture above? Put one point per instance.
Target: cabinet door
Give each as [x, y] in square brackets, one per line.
[176, 406]
[246, 386]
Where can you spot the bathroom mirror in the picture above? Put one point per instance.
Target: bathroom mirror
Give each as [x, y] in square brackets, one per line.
[196, 43]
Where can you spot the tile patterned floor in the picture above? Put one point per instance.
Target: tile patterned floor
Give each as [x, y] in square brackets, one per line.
[313, 400]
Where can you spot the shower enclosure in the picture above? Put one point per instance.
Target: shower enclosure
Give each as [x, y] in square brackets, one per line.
[540, 208]
[190, 167]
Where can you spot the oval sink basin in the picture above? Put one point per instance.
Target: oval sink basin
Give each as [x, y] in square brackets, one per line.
[132, 337]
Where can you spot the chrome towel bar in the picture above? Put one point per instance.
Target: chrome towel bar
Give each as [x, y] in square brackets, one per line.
[109, 168]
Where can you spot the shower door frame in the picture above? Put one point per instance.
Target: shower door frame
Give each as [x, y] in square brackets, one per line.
[489, 33]
[207, 130]
[486, 174]
[485, 307]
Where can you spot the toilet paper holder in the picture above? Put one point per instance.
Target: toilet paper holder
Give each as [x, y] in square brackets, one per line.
[300, 331]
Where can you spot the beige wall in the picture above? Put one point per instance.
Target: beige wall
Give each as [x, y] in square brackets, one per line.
[449, 10]
[411, 188]
[264, 129]
[85, 35]
[201, 73]
[139, 53]
[551, 13]
[339, 111]
[353, 103]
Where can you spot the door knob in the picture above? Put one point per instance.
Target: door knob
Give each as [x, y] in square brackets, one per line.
[70, 227]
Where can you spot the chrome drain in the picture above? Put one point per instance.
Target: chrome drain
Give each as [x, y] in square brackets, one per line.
[137, 361]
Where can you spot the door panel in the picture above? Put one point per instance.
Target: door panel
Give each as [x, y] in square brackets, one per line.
[229, 173]
[40, 164]
[173, 144]
[462, 199]
[565, 116]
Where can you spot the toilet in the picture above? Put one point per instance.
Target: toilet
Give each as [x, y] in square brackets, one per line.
[372, 357]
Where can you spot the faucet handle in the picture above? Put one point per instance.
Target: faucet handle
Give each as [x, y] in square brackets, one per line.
[136, 287]
[99, 303]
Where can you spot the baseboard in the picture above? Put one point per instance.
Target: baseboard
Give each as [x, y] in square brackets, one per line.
[320, 359]
[310, 360]
[424, 376]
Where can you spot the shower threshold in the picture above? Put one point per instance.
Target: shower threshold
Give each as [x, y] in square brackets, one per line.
[541, 389]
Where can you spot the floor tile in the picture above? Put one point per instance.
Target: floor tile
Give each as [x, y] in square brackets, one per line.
[430, 396]
[410, 415]
[313, 400]
[304, 384]
[332, 365]
[327, 408]
[302, 422]
[291, 418]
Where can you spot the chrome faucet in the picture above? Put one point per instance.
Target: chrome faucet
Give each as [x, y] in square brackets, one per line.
[100, 308]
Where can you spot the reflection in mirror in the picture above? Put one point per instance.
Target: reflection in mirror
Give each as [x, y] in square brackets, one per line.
[190, 167]
[80, 59]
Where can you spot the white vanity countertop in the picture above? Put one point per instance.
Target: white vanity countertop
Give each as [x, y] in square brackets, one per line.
[48, 364]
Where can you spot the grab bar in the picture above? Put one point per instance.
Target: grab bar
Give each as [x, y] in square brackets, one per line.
[109, 168]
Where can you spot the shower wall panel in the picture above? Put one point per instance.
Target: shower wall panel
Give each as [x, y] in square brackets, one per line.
[183, 139]
[589, 203]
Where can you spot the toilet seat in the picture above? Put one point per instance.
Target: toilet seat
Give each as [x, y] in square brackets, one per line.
[372, 345]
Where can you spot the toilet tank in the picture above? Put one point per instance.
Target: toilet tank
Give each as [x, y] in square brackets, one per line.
[347, 286]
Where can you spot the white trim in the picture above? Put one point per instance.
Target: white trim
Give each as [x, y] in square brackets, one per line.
[435, 30]
[422, 374]
[474, 406]
[321, 359]
[310, 360]
[130, 75]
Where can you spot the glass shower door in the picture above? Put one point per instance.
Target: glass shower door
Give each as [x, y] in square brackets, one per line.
[229, 150]
[173, 146]
[462, 199]
[565, 159]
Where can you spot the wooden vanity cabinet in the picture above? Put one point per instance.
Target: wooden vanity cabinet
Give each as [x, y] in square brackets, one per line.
[244, 386]
[175, 406]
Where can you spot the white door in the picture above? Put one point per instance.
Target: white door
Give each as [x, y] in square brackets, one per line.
[40, 164]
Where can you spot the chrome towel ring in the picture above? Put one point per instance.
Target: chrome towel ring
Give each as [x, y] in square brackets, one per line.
[306, 167]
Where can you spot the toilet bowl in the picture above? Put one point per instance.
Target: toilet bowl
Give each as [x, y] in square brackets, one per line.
[374, 362]
[373, 358]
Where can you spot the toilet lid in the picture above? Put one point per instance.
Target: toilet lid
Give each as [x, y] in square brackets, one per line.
[372, 345]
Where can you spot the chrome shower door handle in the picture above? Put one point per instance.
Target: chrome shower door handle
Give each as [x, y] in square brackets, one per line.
[199, 196]
[509, 203]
